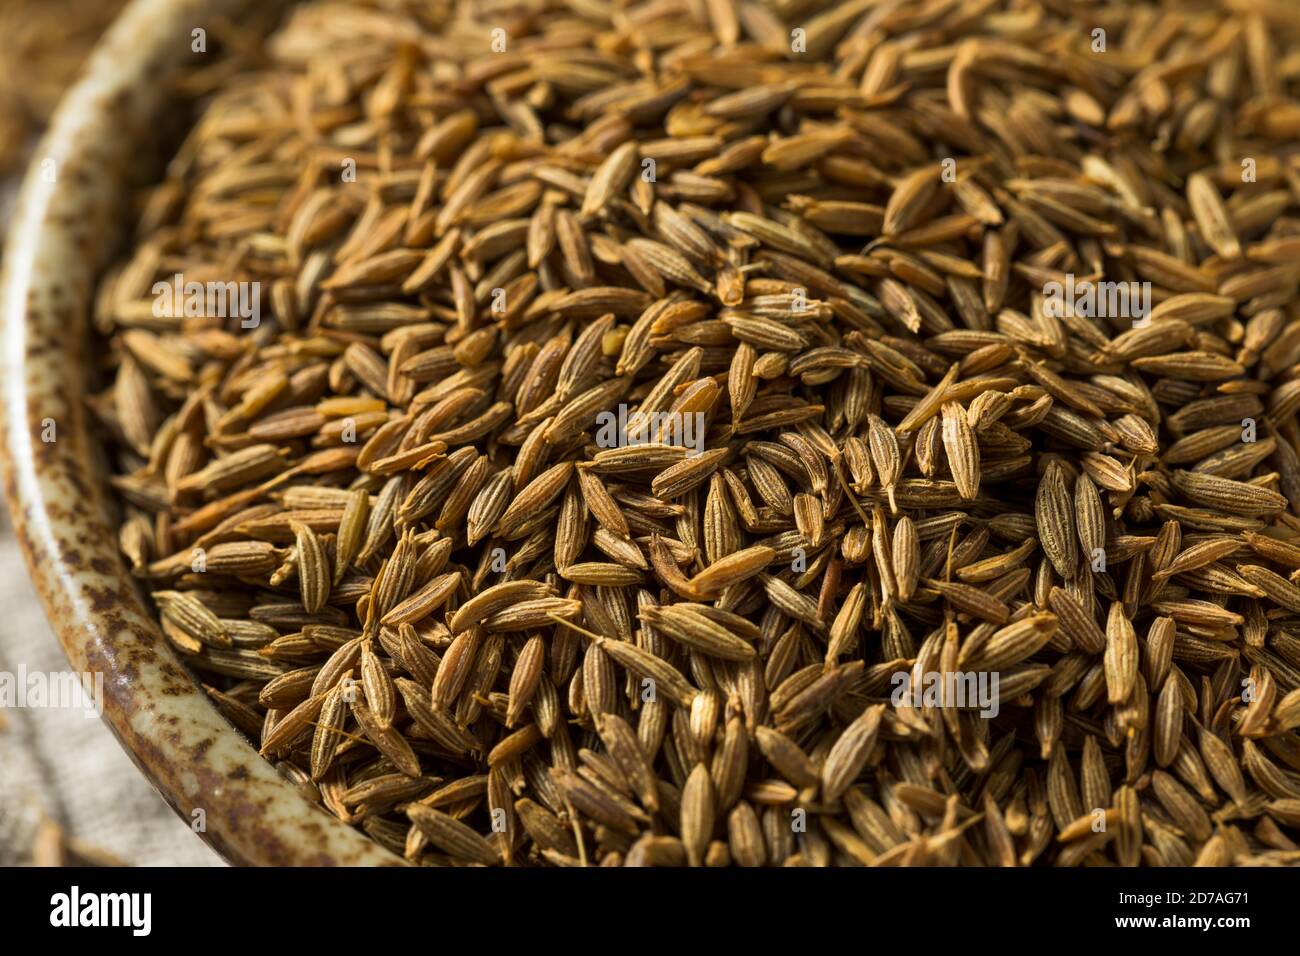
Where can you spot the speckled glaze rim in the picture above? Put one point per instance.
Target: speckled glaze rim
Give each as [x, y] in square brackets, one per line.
[60, 236]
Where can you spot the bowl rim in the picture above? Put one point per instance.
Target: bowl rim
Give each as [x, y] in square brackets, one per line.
[74, 193]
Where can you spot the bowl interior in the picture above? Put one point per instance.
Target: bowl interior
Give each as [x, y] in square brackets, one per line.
[70, 217]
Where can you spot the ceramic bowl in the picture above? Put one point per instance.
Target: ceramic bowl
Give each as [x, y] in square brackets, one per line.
[71, 218]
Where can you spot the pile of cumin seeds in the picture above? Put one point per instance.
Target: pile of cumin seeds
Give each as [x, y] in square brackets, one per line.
[866, 242]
